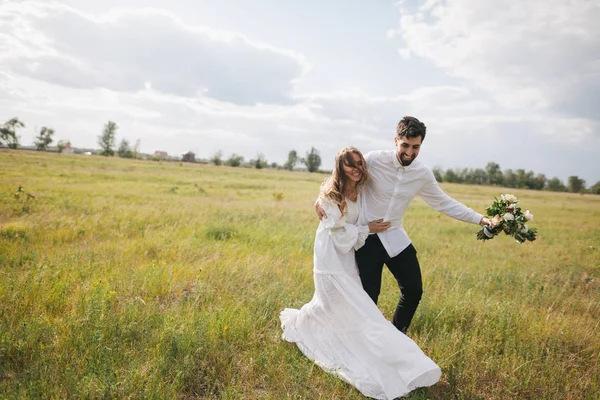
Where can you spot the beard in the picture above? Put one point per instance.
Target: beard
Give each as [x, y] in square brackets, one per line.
[405, 161]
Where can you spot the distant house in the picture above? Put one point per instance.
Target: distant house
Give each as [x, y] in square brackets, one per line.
[68, 149]
[189, 157]
[161, 155]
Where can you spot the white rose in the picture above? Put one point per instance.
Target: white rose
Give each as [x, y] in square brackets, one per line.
[528, 216]
[508, 217]
[525, 228]
[509, 197]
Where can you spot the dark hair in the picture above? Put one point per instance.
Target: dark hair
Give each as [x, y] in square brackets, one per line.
[410, 127]
[336, 186]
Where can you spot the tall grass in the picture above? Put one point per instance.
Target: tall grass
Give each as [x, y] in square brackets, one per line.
[140, 279]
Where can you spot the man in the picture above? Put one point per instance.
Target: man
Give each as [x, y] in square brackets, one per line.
[395, 178]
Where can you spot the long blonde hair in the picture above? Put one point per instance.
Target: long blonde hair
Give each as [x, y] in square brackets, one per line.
[337, 186]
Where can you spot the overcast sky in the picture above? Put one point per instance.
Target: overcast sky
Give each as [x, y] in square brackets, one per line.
[514, 82]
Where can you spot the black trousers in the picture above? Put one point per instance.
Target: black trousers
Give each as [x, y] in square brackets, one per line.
[405, 268]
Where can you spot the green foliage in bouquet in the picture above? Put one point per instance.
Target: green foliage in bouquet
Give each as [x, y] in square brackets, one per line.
[507, 216]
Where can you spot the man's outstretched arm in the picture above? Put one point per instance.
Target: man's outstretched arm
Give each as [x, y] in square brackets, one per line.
[435, 197]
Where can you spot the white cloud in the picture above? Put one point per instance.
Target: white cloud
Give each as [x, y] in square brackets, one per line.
[534, 54]
[126, 50]
[404, 53]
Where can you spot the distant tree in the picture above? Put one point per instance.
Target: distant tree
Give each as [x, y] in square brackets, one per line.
[217, 158]
[235, 160]
[136, 149]
[540, 181]
[575, 184]
[521, 178]
[291, 161]
[438, 174]
[60, 146]
[8, 132]
[461, 174]
[450, 176]
[43, 140]
[555, 185]
[312, 160]
[260, 161]
[530, 180]
[124, 150]
[479, 177]
[107, 139]
[510, 178]
[466, 176]
[274, 165]
[596, 188]
[525, 179]
[494, 174]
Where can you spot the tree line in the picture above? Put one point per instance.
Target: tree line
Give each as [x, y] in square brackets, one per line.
[490, 175]
[42, 142]
[518, 178]
[312, 161]
[9, 137]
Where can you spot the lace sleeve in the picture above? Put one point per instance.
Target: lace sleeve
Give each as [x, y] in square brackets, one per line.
[345, 236]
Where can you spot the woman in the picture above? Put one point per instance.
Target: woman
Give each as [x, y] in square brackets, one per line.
[341, 329]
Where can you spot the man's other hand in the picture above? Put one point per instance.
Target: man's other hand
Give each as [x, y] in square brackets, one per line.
[378, 226]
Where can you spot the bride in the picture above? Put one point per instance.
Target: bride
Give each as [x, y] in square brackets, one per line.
[341, 329]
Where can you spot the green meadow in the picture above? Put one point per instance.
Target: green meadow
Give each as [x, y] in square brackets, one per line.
[142, 279]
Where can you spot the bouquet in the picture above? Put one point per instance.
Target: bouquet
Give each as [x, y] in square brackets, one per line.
[507, 216]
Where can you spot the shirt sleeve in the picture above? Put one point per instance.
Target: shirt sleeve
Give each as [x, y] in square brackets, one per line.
[345, 236]
[433, 195]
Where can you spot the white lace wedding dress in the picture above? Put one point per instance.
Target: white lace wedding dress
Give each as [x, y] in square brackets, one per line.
[342, 330]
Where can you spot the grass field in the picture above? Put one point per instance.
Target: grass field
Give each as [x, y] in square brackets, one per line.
[143, 279]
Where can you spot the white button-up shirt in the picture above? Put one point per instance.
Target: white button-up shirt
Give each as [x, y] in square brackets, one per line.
[391, 187]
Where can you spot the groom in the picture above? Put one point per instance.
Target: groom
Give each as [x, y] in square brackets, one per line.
[395, 178]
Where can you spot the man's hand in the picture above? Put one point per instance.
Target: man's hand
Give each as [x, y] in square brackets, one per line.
[319, 210]
[378, 226]
[485, 221]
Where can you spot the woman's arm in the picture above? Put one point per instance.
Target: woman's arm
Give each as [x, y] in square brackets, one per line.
[346, 236]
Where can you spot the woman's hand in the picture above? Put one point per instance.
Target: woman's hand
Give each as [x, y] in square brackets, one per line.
[378, 226]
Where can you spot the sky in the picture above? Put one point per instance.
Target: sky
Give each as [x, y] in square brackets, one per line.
[505, 81]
